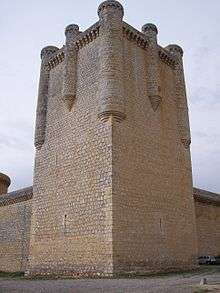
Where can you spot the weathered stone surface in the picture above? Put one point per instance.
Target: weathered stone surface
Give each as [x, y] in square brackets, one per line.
[207, 222]
[41, 114]
[15, 218]
[70, 67]
[96, 182]
[109, 198]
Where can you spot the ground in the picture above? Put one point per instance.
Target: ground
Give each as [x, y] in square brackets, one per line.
[170, 283]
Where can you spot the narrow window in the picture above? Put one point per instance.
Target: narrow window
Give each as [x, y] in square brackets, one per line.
[64, 224]
[161, 226]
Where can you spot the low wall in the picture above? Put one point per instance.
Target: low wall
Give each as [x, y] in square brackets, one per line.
[207, 206]
[15, 218]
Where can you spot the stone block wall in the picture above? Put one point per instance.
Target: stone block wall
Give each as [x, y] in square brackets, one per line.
[153, 208]
[207, 207]
[72, 204]
[15, 218]
[113, 181]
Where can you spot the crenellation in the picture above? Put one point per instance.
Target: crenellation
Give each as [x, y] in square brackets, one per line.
[167, 58]
[56, 59]
[135, 36]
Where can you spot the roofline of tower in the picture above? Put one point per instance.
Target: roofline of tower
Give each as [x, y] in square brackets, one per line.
[6, 179]
[92, 33]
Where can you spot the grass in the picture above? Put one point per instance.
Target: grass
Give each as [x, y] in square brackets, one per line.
[207, 270]
[11, 274]
[201, 291]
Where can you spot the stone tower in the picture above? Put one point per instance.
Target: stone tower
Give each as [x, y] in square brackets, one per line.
[5, 182]
[113, 180]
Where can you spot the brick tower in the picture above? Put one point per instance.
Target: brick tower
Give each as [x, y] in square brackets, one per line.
[113, 179]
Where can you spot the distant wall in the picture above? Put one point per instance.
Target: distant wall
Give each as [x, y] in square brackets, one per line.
[207, 206]
[15, 217]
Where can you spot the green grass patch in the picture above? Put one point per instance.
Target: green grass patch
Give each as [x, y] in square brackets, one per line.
[11, 274]
[201, 291]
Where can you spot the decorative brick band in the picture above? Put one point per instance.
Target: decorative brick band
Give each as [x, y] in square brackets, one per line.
[129, 32]
[16, 196]
[166, 57]
[56, 59]
[81, 41]
[88, 36]
[141, 41]
[135, 36]
[105, 115]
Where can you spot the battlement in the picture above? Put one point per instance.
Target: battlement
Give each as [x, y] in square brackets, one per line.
[129, 32]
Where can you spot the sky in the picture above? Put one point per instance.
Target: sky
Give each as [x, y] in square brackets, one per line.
[26, 26]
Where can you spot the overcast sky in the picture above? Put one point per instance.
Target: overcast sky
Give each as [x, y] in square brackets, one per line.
[27, 25]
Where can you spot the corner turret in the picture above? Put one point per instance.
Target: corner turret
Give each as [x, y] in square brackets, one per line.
[153, 82]
[5, 181]
[40, 127]
[70, 69]
[181, 99]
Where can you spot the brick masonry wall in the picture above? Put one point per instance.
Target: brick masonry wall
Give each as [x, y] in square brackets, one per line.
[153, 209]
[14, 236]
[208, 231]
[71, 224]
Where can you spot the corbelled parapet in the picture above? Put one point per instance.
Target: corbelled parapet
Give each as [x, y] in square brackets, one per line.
[41, 114]
[111, 61]
[153, 78]
[181, 99]
[5, 182]
[70, 67]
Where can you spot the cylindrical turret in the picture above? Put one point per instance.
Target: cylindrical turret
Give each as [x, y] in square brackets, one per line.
[181, 99]
[153, 77]
[43, 96]
[112, 104]
[70, 69]
[5, 181]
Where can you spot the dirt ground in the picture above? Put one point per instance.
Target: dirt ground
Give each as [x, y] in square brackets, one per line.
[172, 283]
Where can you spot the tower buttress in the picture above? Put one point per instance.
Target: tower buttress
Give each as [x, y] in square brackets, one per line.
[181, 100]
[153, 86]
[111, 61]
[41, 114]
[70, 67]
